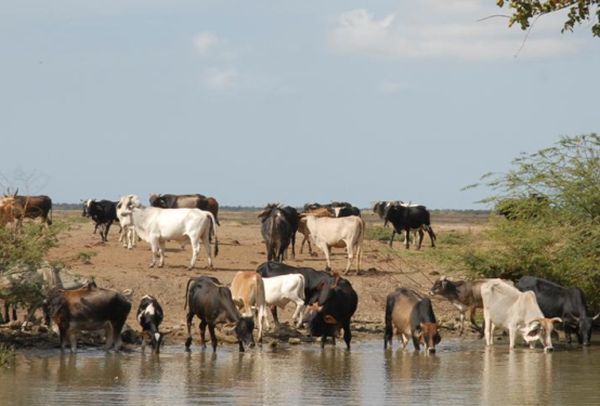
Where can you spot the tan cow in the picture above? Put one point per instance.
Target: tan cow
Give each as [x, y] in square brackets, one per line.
[338, 232]
[248, 292]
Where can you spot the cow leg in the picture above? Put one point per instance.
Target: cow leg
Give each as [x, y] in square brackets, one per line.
[474, 322]
[195, 251]
[392, 237]
[161, 253]
[213, 338]
[202, 328]
[416, 344]
[154, 248]
[404, 341]
[350, 251]
[421, 235]
[73, 340]
[461, 329]
[6, 314]
[274, 314]
[110, 335]
[188, 320]
[297, 317]
[348, 335]
[488, 327]
[432, 236]
[325, 249]
[106, 230]
[144, 338]
[512, 337]
[208, 251]
[407, 238]
[294, 246]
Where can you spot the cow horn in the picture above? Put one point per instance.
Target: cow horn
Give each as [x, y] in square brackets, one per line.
[596, 316]
[556, 320]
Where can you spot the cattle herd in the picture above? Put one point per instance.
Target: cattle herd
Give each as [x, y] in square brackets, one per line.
[325, 301]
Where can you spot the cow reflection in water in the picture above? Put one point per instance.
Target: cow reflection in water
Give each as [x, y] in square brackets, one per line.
[529, 376]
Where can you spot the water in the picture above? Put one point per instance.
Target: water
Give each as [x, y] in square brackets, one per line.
[462, 372]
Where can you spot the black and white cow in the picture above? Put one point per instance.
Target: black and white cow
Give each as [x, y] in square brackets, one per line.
[150, 315]
[406, 217]
[567, 303]
[103, 212]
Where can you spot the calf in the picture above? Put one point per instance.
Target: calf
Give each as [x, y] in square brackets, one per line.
[212, 304]
[280, 290]
[157, 226]
[104, 213]
[88, 308]
[338, 232]
[407, 314]
[464, 295]
[506, 307]
[248, 293]
[567, 303]
[313, 280]
[276, 231]
[333, 310]
[150, 315]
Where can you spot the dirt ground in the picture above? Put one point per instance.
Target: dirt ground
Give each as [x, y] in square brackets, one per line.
[241, 249]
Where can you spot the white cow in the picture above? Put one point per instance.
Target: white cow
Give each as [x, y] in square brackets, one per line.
[338, 232]
[280, 290]
[128, 236]
[157, 226]
[518, 312]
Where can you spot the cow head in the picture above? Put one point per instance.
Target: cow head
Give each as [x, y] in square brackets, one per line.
[584, 328]
[541, 329]
[428, 335]
[319, 323]
[440, 286]
[243, 331]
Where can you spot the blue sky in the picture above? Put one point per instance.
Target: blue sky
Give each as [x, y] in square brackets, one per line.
[259, 101]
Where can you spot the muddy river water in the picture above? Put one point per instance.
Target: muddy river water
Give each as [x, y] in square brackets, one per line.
[461, 372]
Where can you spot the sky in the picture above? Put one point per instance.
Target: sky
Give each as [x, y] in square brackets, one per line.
[268, 101]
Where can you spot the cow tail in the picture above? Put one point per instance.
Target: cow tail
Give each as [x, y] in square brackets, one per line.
[213, 232]
[187, 292]
[363, 225]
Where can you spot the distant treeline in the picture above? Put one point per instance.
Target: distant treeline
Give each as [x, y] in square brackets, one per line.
[77, 206]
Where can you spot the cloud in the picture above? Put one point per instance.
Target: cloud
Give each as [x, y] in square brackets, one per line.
[220, 78]
[205, 41]
[444, 29]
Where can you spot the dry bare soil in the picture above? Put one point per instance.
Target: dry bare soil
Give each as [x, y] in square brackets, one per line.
[241, 248]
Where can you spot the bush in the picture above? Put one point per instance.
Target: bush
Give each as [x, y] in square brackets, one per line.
[7, 355]
[553, 231]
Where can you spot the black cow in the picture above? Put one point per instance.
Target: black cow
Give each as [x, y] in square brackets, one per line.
[337, 209]
[103, 212]
[333, 310]
[567, 303]
[150, 315]
[410, 316]
[406, 218]
[213, 304]
[292, 216]
[276, 231]
[192, 201]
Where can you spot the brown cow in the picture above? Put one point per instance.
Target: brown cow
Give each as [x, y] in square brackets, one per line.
[194, 201]
[408, 314]
[88, 308]
[248, 293]
[16, 207]
[464, 295]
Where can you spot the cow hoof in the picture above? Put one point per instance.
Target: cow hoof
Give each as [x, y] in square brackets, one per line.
[188, 343]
